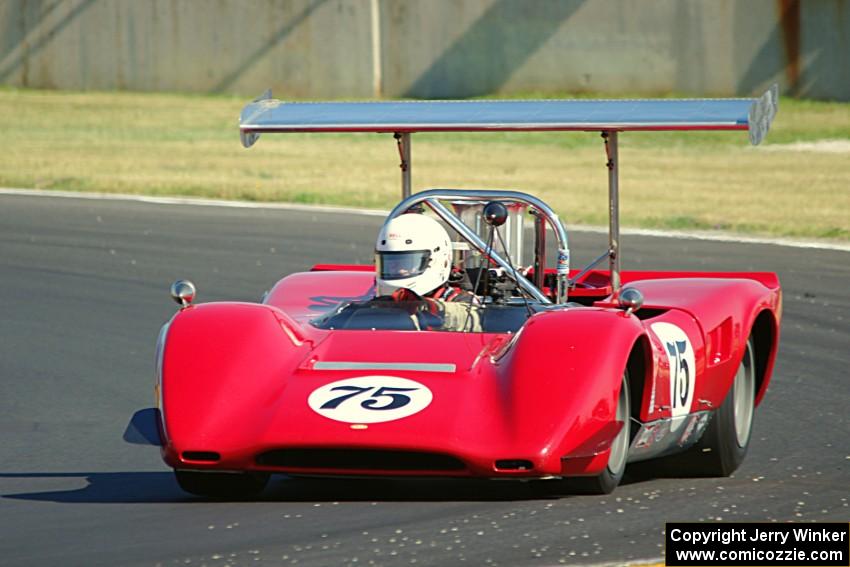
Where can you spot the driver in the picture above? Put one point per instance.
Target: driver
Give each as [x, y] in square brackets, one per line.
[413, 262]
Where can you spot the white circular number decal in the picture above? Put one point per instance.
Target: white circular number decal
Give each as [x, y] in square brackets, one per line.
[370, 399]
[680, 354]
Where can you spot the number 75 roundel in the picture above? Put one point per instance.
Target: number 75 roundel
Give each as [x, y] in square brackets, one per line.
[680, 354]
[370, 399]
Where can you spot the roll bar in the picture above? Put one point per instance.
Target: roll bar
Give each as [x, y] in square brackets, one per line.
[432, 198]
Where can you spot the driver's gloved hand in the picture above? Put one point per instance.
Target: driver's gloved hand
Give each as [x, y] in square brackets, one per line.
[429, 321]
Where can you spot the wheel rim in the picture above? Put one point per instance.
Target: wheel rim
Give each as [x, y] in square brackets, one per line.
[620, 446]
[744, 391]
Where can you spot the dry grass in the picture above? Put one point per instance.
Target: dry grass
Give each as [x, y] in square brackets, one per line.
[188, 145]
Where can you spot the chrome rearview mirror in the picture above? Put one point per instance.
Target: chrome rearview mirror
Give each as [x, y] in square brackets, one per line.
[630, 299]
[183, 292]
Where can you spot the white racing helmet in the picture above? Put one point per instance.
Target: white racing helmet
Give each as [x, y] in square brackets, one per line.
[414, 252]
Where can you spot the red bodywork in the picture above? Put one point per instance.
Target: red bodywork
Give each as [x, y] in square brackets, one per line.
[236, 377]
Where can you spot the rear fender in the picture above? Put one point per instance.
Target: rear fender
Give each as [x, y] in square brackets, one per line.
[728, 310]
[563, 375]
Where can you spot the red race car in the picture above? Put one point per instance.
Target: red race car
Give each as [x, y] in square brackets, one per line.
[455, 355]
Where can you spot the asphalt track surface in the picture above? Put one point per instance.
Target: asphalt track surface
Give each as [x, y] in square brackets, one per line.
[84, 290]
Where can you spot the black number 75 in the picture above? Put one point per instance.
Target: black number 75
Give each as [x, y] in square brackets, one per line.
[393, 398]
[681, 374]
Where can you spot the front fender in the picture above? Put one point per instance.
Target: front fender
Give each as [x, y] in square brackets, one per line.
[563, 374]
[218, 360]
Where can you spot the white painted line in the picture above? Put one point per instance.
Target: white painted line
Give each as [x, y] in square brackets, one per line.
[721, 237]
[194, 201]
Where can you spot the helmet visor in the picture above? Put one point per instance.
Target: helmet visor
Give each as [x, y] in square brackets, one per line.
[401, 265]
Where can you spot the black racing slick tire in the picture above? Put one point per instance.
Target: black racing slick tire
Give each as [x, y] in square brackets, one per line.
[723, 446]
[610, 478]
[222, 485]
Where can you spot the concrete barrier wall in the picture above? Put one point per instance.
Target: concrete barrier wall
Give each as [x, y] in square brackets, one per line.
[303, 47]
[445, 48]
[710, 47]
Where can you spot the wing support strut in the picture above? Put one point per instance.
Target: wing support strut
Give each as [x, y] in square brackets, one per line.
[610, 139]
[403, 141]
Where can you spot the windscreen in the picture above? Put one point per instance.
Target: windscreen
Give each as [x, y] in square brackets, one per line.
[425, 315]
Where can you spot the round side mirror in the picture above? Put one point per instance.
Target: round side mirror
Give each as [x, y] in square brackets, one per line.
[495, 213]
[631, 300]
[183, 292]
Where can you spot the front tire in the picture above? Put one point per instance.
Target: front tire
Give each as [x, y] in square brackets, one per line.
[723, 446]
[727, 438]
[222, 485]
[610, 478]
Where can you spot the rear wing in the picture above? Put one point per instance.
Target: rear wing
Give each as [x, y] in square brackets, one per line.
[270, 115]
[403, 118]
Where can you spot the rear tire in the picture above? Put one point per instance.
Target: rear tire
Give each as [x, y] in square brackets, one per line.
[222, 485]
[610, 478]
[723, 446]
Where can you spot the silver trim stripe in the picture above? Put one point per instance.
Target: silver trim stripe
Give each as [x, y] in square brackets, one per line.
[417, 366]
